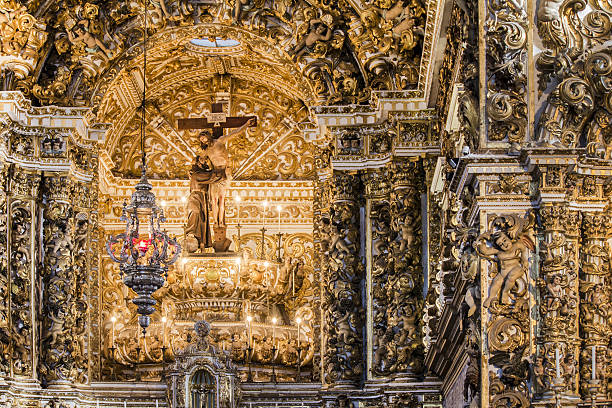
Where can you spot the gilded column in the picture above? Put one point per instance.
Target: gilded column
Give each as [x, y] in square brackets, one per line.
[558, 300]
[84, 259]
[22, 263]
[60, 304]
[378, 238]
[594, 300]
[342, 303]
[404, 280]
[5, 333]
[320, 266]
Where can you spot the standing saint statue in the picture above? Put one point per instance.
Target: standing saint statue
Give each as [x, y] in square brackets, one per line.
[209, 178]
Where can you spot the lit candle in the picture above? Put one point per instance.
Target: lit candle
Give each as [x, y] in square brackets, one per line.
[557, 366]
[273, 331]
[263, 214]
[237, 199]
[298, 321]
[293, 281]
[593, 362]
[156, 404]
[113, 320]
[164, 330]
[98, 403]
[279, 208]
[250, 333]
[124, 404]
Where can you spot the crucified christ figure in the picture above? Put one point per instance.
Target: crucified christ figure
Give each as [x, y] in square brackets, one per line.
[215, 150]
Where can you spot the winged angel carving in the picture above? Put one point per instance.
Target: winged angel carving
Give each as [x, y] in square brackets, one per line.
[508, 244]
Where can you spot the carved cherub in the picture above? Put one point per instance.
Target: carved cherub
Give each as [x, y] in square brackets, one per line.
[512, 257]
[555, 291]
[568, 365]
[343, 327]
[338, 247]
[318, 30]
[406, 229]
[538, 372]
[57, 325]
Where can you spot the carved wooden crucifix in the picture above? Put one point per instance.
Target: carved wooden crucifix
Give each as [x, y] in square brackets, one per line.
[216, 120]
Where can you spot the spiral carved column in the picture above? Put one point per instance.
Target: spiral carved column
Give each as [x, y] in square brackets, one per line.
[22, 213]
[594, 300]
[342, 279]
[558, 306]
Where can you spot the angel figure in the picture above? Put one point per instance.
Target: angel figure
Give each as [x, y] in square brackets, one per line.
[318, 30]
[79, 34]
[512, 257]
[161, 5]
[240, 6]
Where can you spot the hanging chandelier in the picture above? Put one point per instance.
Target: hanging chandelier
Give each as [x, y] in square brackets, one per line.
[143, 251]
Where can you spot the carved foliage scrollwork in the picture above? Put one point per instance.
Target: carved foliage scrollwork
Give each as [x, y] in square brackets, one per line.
[507, 246]
[580, 106]
[342, 360]
[506, 40]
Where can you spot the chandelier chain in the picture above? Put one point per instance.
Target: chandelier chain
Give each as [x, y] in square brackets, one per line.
[144, 91]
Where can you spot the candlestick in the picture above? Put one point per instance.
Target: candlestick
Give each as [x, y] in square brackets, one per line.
[298, 320]
[249, 332]
[113, 320]
[263, 214]
[557, 366]
[279, 208]
[273, 331]
[593, 362]
[164, 330]
[156, 404]
[97, 403]
[237, 199]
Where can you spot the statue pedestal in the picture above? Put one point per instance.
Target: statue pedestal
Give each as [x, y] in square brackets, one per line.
[220, 241]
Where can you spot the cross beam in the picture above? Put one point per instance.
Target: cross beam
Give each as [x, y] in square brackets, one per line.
[217, 121]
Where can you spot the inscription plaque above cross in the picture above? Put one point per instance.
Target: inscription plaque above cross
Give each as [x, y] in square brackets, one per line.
[216, 120]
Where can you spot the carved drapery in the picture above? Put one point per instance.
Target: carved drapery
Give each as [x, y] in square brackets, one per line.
[506, 247]
[558, 294]
[594, 298]
[342, 277]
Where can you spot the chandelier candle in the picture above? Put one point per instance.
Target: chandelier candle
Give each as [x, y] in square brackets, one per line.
[593, 363]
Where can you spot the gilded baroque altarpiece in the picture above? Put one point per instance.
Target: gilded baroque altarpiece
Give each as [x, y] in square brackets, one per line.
[439, 174]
